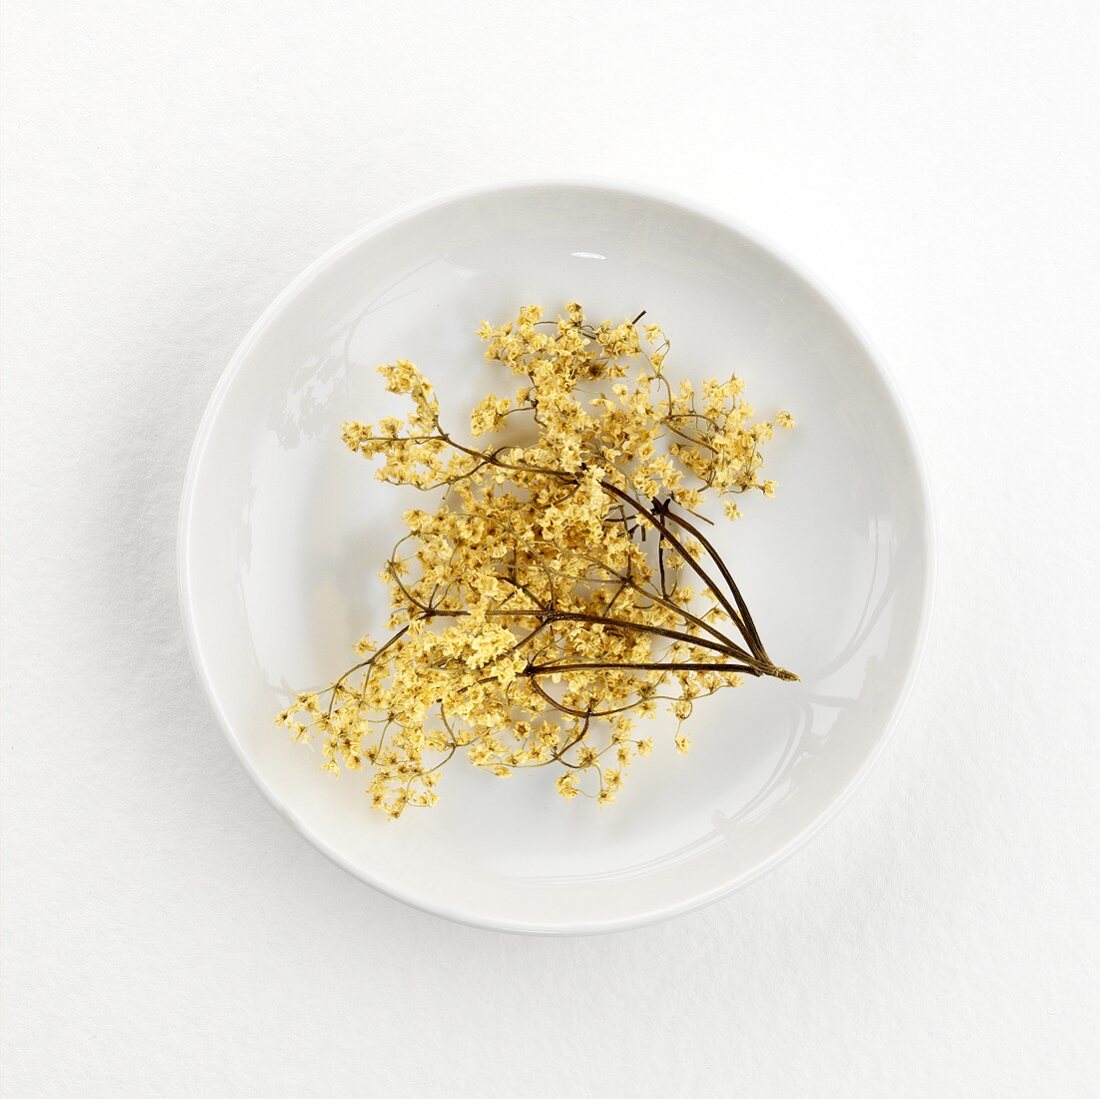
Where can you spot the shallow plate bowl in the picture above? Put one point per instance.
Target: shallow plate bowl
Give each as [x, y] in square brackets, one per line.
[283, 532]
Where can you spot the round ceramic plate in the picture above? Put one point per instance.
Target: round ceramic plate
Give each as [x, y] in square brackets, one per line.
[283, 532]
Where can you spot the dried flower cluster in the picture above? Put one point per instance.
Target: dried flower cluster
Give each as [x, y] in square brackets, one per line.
[560, 590]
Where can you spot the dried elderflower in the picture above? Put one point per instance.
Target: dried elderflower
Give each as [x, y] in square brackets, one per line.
[560, 591]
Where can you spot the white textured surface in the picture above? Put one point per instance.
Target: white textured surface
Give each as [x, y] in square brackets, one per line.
[169, 169]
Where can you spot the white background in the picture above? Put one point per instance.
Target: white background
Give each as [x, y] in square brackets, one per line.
[169, 168]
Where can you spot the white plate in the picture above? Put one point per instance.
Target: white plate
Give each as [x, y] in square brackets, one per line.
[282, 533]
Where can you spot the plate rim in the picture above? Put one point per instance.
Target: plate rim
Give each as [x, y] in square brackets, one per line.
[633, 189]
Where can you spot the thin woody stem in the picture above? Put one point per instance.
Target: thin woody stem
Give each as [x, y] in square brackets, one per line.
[682, 551]
[551, 616]
[368, 663]
[575, 712]
[674, 635]
[758, 647]
[655, 596]
[655, 666]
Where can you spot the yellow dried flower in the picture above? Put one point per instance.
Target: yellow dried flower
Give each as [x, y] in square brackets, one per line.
[533, 619]
[566, 786]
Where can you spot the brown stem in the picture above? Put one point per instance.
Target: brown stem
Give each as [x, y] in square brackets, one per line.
[673, 635]
[659, 666]
[600, 620]
[654, 596]
[758, 647]
[369, 662]
[682, 551]
[578, 713]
